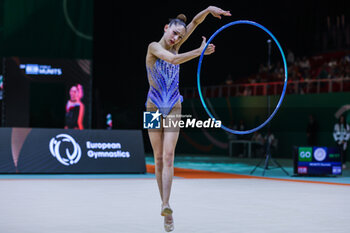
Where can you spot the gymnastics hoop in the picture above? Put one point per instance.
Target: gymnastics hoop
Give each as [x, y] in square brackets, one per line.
[285, 74]
[70, 24]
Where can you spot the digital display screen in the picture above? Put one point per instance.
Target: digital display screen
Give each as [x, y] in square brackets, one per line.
[317, 161]
[47, 93]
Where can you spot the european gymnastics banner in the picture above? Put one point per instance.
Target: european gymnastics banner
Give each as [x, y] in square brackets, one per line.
[37, 150]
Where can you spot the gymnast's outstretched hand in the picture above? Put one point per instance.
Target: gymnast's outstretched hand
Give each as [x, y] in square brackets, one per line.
[217, 12]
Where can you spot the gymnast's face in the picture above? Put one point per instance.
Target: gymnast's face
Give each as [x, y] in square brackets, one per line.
[173, 34]
[73, 93]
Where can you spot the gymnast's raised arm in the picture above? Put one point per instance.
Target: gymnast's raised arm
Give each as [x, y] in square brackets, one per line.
[158, 51]
[199, 18]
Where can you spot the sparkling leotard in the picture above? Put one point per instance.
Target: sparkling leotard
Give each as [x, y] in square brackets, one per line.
[72, 114]
[164, 86]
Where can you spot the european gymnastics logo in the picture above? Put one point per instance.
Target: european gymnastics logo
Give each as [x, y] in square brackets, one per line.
[69, 158]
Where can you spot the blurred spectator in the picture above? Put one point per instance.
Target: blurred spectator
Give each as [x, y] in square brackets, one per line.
[109, 121]
[229, 80]
[1, 82]
[324, 72]
[293, 72]
[263, 69]
[341, 136]
[305, 68]
[311, 131]
[258, 78]
[332, 63]
[290, 57]
[258, 145]
[247, 91]
[347, 58]
[347, 71]
[270, 142]
[278, 71]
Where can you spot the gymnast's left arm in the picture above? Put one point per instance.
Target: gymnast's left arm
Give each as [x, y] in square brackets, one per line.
[199, 18]
[81, 116]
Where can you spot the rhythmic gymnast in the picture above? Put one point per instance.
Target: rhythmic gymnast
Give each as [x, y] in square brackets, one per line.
[75, 108]
[162, 63]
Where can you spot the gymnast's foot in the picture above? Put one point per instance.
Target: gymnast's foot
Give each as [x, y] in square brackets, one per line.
[166, 210]
[169, 223]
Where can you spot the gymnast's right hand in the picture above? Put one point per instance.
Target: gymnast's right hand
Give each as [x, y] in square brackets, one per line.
[210, 49]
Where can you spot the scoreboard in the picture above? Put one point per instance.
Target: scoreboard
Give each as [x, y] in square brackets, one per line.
[317, 161]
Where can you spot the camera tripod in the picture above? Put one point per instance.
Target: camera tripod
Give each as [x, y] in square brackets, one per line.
[267, 161]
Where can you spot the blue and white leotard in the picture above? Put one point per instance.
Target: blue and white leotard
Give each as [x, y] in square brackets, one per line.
[164, 86]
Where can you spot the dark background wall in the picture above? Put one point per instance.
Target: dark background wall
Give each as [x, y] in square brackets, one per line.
[39, 28]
